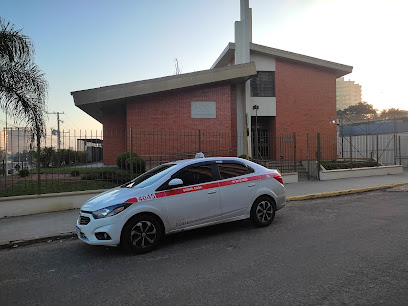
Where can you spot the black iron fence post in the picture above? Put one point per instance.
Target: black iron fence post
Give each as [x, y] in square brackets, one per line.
[308, 158]
[351, 153]
[318, 156]
[399, 150]
[199, 141]
[377, 149]
[294, 151]
[38, 162]
[131, 152]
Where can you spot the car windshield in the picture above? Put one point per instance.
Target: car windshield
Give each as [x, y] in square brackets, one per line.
[149, 177]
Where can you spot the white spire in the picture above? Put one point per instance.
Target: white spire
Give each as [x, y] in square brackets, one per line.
[243, 35]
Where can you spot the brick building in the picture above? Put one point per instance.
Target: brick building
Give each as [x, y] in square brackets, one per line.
[250, 88]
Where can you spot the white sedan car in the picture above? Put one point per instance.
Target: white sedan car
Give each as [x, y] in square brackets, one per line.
[179, 196]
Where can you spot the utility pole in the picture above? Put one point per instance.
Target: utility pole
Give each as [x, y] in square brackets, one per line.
[58, 129]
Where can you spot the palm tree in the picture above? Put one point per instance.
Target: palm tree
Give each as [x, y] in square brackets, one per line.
[23, 88]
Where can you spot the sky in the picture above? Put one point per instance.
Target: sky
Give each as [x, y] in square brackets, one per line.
[83, 44]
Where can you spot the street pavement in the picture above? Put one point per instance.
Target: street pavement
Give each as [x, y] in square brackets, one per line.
[345, 250]
[15, 231]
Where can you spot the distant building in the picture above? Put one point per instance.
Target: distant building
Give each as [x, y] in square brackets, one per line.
[93, 147]
[14, 140]
[84, 143]
[347, 93]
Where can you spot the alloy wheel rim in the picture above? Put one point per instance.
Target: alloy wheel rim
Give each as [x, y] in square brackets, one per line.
[264, 211]
[143, 234]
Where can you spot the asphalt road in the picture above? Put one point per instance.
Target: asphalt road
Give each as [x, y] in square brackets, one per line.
[344, 250]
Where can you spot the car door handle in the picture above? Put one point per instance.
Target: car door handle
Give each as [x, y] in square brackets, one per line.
[251, 185]
[212, 191]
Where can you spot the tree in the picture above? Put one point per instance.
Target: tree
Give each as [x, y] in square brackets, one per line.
[393, 113]
[358, 112]
[23, 88]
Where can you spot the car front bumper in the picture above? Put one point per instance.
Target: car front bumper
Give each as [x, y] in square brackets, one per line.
[87, 227]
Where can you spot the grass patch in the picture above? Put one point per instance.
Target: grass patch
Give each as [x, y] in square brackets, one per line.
[28, 187]
[65, 179]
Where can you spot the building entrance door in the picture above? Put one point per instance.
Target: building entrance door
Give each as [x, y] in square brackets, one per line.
[261, 138]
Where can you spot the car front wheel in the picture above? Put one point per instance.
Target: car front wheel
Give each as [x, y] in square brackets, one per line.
[263, 211]
[141, 234]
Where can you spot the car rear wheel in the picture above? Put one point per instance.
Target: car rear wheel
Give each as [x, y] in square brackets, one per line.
[263, 211]
[141, 234]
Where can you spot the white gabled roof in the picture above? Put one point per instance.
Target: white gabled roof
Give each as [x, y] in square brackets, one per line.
[229, 53]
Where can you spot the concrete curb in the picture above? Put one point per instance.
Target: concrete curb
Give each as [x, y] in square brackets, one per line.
[17, 243]
[72, 235]
[341, 192]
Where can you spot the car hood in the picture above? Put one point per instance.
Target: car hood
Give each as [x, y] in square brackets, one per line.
[112, 197]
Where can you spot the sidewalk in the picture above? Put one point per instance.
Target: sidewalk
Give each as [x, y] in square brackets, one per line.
[47, 226]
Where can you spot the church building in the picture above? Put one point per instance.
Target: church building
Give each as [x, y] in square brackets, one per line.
[250, 90]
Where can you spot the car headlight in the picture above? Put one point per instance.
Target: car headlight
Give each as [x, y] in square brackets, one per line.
[110, 211]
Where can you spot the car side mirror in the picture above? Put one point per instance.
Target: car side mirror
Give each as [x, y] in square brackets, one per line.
[176, 182]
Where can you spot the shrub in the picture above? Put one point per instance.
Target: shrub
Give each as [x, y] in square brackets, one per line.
[57, 158]
[121, 159]
[46, 156]
[123, 162]
[139, 165]
[345, 164]
[80, 157]
[68, 157]
[24, 172]
[75, 172]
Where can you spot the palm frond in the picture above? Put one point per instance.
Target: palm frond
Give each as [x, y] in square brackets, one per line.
[14, 46]
[23, 91]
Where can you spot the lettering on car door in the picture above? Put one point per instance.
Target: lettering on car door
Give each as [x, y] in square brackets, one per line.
[236, 188]
[197, 201]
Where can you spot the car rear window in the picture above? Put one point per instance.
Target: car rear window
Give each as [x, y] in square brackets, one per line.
[228, 170]
[196, 175]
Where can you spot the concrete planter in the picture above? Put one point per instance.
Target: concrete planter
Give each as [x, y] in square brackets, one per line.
[358, 172]
[290, 177]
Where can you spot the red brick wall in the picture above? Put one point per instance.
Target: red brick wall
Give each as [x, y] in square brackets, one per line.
[114, 133]
[305, 103]
[162, 124]
[234, 133]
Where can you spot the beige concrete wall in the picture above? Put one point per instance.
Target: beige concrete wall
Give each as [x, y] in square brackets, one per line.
[263, 62]
[267, 106]
[34, 204]
[289, 178]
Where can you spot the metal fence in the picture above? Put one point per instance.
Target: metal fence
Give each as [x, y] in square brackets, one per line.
[387, 149]
[80, 160]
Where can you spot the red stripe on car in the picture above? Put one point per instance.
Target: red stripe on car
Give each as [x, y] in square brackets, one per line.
[188, 189]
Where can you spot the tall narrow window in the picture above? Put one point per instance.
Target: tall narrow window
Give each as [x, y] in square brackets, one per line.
[263, 84]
